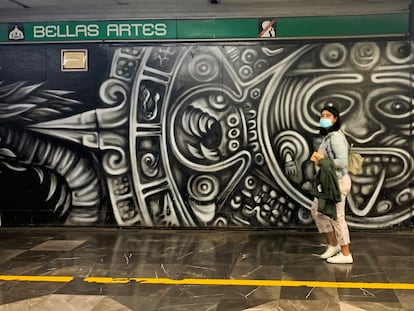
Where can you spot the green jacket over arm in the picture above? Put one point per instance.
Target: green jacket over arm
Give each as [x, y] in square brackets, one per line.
[326, 188]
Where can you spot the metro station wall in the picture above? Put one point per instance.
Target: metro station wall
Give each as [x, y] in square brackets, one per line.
[200, 135]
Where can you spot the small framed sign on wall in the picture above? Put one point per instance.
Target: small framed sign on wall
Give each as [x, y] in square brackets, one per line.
[74, 60]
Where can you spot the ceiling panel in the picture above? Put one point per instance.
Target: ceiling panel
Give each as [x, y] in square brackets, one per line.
[46, 10]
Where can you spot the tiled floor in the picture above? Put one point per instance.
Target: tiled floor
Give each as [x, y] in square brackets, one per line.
[170, 265]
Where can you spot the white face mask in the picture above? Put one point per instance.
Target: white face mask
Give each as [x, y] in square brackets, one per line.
[325, 123]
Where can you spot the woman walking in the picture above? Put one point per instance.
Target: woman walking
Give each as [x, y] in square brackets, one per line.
[334, 147]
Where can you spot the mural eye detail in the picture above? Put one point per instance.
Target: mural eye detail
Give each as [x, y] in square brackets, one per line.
[249, 56]
[149, 164]
[395, 108]
[250, 182]
[233, 120]
[333, 55]
[246, 72]
[255, 93]
[203, 187]
[398, 52]
[203, 68]
[261, 65]
[365, 55]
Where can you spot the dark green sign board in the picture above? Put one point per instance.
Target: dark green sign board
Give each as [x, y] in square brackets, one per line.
[207, 29]
[217, 28]
[362, 25]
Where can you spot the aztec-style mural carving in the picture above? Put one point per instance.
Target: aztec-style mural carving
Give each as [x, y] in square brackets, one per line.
[206, 135]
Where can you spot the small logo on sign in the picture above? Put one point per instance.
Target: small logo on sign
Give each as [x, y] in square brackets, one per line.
[268, 29]
[16, 32]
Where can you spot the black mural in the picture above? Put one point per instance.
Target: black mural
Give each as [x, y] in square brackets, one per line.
[205, 135]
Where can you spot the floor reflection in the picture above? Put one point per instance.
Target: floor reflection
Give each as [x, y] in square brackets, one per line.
[236, 263]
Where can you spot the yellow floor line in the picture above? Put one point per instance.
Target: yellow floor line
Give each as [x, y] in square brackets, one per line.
[164, 281]
[37, 278]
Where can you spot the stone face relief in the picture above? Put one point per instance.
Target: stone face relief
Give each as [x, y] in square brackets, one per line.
[218, 135]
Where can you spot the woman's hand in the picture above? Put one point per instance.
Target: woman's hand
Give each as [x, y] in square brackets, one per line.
[316, 157]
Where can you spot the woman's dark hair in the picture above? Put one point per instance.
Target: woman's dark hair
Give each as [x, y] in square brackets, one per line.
[337, 125]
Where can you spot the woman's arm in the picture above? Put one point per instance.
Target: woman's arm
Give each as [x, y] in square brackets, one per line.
[339, 146]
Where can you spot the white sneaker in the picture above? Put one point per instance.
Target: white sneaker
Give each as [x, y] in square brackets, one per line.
[340, 258]
[330, 251]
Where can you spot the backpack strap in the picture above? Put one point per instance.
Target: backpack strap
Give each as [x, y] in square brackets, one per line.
[347, 140]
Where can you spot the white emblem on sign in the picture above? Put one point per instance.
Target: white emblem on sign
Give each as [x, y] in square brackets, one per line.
[16, 34]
